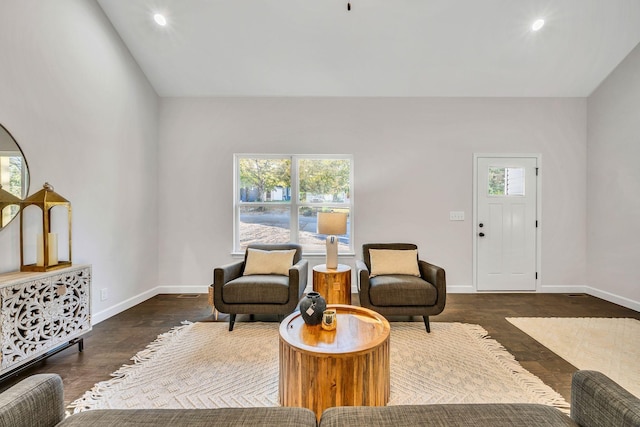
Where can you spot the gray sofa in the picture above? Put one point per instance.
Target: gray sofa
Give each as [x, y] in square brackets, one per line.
[596, 401]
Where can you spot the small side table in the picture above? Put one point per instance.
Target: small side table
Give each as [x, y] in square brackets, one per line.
[333, 284]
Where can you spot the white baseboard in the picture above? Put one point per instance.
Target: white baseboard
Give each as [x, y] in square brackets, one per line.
[565, 289]
[460, 289]
[127, 304]
[195, 289]
[456, 289]
[616, 299]
[122, 306]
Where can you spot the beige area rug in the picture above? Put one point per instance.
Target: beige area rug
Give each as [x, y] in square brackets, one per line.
[203, 365]
[608, 345]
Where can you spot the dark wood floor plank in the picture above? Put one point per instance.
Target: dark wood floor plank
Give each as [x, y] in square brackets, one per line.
[114, 341]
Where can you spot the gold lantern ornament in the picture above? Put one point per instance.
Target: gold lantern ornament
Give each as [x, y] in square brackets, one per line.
[47, 243]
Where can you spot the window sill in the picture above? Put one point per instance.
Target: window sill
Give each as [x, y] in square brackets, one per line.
[304, 255]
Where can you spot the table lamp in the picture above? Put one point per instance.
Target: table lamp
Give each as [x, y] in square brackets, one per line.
[332, 223]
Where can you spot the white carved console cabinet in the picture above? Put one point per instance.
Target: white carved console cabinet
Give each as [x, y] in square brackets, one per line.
[42, 314]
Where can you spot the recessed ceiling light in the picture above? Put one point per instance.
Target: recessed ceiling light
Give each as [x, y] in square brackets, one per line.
[160, 19]
[537, 24]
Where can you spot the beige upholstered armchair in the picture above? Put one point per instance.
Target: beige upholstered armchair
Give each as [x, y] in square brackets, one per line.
[270, 280]
[392, 280]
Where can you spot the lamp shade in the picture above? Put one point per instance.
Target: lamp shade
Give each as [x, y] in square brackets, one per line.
[332, 223]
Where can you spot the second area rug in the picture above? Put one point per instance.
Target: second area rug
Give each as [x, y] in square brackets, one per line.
[203, 365]
[608, 345]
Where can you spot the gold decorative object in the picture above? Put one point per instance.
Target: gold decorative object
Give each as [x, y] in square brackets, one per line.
[6, 201]
[329, 320]
[46, 243]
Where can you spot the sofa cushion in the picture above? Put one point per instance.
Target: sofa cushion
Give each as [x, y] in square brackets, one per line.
[36, 401]
[597, 400]
[389, 261]
[257, 289]
[401, 290]
[233, 417]
[453, 415]
[268, 262]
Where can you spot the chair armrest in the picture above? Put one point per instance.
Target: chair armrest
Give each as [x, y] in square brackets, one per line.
[596, 400]
[298, 275]
[221, 276]
[437, 277]
[36, 401]
[227, 273]
[363, 283]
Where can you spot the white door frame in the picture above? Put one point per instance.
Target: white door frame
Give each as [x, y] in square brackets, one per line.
[538, 158]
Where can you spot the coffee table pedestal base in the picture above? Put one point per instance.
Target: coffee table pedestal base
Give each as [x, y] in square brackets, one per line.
[319, 380]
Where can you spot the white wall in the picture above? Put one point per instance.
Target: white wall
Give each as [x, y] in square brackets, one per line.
[87, 121]
[413, 164]
[613, 207]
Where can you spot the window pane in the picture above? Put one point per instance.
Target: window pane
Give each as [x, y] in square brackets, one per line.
[11, 174]
[264, 224]
[506, 181]
[264, 180]
[11, 181]
[324, 180]
[308, 237]
[514, 181]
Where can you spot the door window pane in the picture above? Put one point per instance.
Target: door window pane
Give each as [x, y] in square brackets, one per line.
[504, 181]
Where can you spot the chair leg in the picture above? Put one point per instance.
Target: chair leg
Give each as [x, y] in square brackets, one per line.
[426, 323]
[232, 319]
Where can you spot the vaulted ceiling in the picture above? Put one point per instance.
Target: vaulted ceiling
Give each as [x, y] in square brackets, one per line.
[448, 48]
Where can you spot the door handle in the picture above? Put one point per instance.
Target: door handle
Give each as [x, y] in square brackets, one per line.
[481, 234]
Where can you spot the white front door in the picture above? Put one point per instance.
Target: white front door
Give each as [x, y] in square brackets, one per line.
[506, 223]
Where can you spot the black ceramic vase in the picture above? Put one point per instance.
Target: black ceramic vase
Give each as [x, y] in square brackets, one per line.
[311, 308]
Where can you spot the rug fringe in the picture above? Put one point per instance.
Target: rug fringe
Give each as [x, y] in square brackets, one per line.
[523, 377]
[92, 397]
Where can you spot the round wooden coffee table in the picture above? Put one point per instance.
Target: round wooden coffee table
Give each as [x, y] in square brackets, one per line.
[347, 367]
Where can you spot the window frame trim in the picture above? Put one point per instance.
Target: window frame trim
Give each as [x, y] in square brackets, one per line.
[294, 202]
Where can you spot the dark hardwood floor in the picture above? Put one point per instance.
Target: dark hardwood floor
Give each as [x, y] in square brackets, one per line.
[114, 341]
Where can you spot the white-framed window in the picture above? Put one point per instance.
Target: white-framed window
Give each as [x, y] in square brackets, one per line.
[276, 199]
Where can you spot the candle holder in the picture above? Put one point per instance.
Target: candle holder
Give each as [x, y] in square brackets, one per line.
[329, 320]
[47, 257]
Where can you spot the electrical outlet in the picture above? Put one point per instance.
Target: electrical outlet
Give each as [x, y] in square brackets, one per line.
[456, 216]
[103, 294]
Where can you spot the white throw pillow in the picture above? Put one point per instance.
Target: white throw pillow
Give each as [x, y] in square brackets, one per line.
[394, 261]
[268, 262]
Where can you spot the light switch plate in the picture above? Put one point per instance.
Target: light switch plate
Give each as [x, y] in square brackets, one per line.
[456, 216]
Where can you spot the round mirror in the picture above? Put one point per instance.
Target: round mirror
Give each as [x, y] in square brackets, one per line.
[14, 177]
